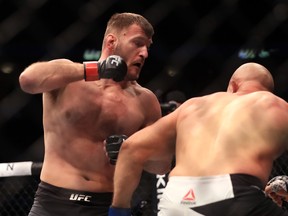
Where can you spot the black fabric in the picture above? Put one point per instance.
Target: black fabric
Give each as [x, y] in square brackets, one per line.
[249, 200]
[53, 201]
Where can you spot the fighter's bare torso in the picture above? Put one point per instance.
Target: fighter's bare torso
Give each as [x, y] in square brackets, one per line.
[76, 121]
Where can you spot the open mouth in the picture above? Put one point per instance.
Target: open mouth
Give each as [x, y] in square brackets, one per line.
[137, 65]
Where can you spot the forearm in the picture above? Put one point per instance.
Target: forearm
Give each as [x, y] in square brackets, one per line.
[153, 148]
[126, 179]
[46, 76]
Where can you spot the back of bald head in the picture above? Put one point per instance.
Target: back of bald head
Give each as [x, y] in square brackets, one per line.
[251, 73]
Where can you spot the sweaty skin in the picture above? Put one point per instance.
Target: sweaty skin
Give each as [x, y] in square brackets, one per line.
[78, 116]
[242, 130]
[97, 113]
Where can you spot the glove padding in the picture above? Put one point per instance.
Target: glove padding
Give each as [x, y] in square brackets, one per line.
[278, 183]
[119, 211]
[113, 144]
[114, 67]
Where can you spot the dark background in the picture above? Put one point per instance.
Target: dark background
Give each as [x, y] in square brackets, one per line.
[197, 46]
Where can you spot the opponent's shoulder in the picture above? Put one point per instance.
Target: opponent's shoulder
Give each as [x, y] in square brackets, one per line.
[206, 99]
[60, 61]
[273, 107]
[269, 98]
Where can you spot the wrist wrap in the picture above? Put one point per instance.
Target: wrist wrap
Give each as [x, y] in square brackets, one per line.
[91, 72]
[119, 211]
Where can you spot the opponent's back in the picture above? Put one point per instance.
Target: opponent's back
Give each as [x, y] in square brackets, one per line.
[227, 132]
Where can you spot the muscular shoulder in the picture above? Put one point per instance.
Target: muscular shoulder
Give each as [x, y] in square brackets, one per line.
[148, 102]
[141, 89]
[275, 105]
[267, 110]
[144, 93]
[268, 99]
[207, 101]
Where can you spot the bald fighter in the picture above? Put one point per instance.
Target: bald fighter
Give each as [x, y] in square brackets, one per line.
[225, 144]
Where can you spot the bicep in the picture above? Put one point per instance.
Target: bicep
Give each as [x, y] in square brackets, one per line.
[155, 142]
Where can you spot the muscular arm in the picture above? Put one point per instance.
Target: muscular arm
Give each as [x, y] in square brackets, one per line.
[42, 77]
[152, 148]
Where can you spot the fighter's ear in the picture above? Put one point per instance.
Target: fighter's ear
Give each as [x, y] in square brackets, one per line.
[232, 87]
[111, 41]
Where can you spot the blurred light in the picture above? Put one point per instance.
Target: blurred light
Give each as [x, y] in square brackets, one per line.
[253, 53]
[7, 68]
[91, 54]
[172, 72]
[246, 54]
[264, 54]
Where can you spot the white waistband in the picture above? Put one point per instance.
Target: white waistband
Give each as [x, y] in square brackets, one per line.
[197, 191]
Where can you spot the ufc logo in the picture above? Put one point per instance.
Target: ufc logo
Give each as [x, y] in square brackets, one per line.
[116, 60]
[80, 197]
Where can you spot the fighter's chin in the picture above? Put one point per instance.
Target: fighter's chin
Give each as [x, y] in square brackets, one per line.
[132, 77]
[134, 73]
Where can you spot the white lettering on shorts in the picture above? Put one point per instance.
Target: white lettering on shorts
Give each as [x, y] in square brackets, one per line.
[80, 197]
[160, 185]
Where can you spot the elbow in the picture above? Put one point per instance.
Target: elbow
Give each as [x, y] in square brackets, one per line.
[128, 149]
[27, 83]
[165, 169]
[134, 154]
[158, 168]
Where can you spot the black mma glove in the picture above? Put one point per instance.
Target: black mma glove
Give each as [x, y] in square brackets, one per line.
[278, 183]
[114, 67]
[113, 145]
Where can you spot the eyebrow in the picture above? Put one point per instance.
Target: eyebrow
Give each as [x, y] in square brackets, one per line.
[140, 37]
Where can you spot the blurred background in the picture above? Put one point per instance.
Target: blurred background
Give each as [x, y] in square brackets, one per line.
[197, 46]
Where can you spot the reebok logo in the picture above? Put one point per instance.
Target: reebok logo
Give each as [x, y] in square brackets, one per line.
[189, 198]
[80, 197]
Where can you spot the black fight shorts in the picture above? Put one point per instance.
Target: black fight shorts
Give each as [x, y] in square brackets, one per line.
[221, 195]
[55, 201]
